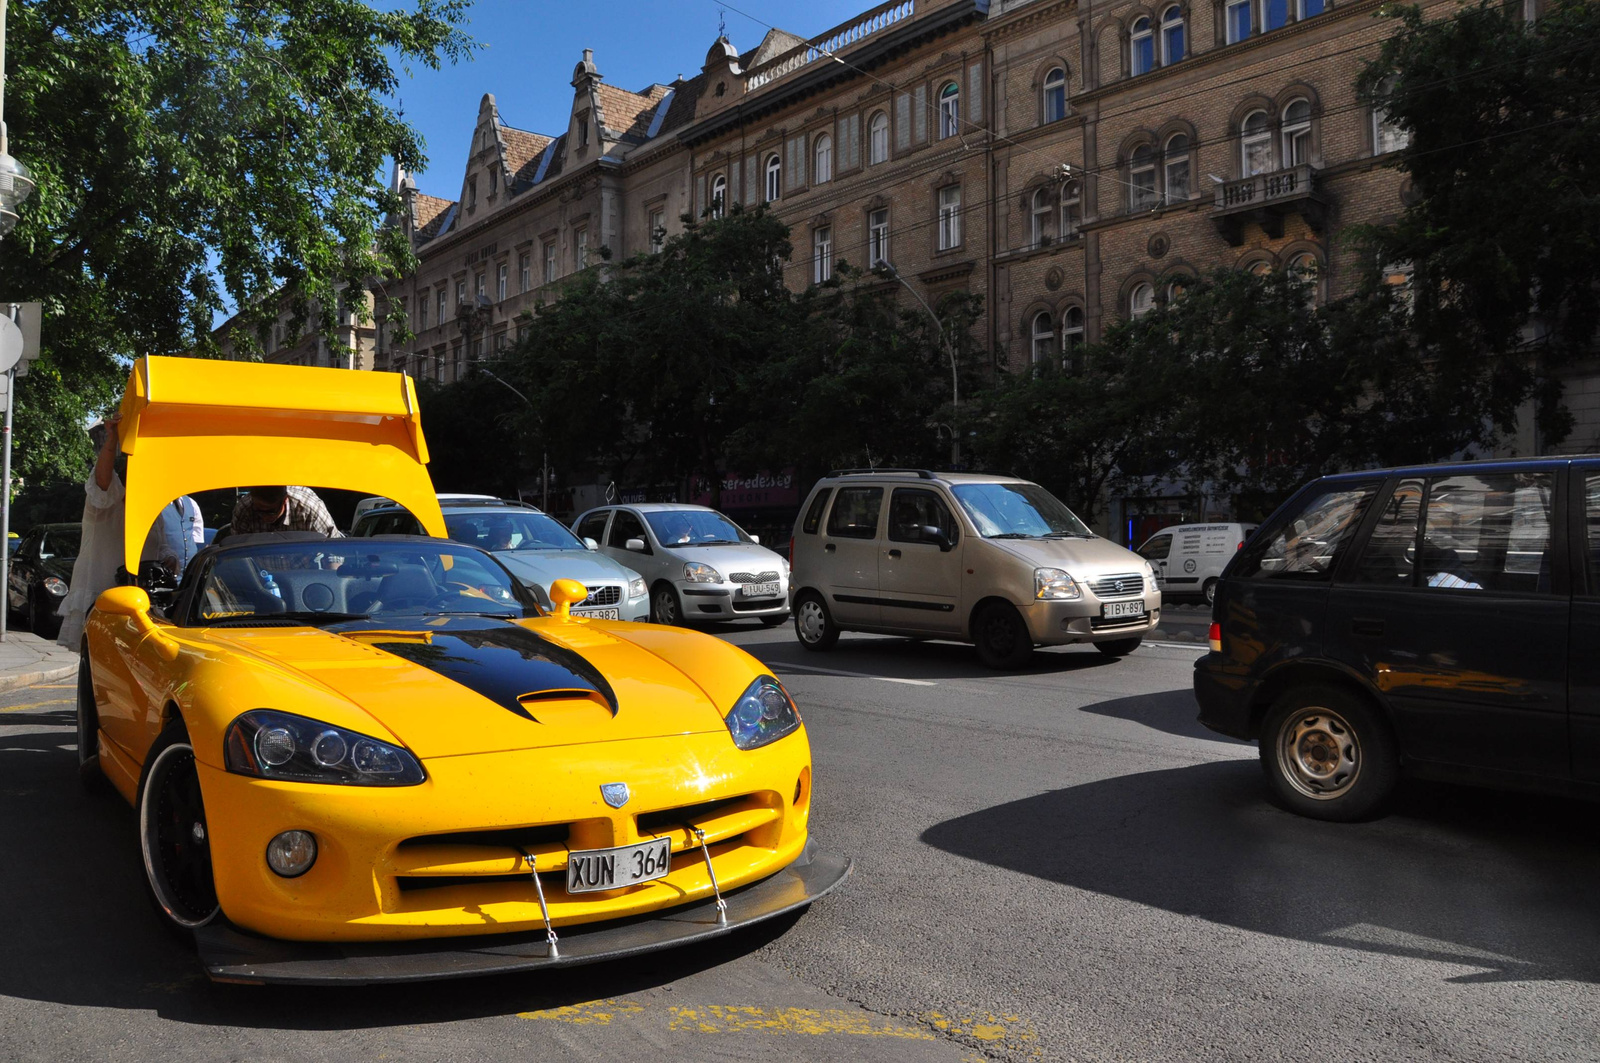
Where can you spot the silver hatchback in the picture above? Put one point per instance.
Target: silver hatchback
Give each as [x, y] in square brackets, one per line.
[699, 565]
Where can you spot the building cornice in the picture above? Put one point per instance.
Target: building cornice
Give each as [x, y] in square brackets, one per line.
[1025, 18]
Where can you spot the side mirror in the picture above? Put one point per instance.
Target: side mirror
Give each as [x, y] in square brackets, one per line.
[636, 545]
[932, 533]
[133, 604]
[564, 594]
[590, 543]
[756, 539]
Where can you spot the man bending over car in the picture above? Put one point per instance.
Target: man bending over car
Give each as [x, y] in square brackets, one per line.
[272, 509]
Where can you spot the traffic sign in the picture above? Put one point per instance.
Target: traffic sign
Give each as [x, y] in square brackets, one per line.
[27, 318]
[11, 344]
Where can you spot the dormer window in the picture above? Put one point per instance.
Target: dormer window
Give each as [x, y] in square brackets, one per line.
[494, 183]
[583, 130]
[472, 191]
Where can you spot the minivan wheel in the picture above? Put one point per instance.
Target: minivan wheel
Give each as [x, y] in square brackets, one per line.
[1328, 754]
[664, 608]
[1119, 647]
[813, 624]
[1001, 637]
[1210, 591]
[174, 840]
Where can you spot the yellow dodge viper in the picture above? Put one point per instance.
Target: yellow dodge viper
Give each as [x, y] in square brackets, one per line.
[374, 759]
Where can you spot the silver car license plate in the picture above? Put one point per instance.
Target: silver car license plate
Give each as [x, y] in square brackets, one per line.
[761, 590]
[598, 614]
[589, 870]
[1117, 610]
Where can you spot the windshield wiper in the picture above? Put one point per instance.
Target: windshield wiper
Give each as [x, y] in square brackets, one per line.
[1068, 535]
[1012, 535]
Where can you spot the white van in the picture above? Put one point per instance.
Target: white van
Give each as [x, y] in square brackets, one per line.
[1189, 558]
[991, 560]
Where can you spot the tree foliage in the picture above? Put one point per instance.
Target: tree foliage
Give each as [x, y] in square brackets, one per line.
[1503, 154]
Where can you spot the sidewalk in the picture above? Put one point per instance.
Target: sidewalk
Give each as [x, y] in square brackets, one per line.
[25, 659]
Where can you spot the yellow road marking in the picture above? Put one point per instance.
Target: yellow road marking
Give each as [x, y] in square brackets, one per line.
[36, 705]
[56, 686]
[720, 1018]
[988, 1028]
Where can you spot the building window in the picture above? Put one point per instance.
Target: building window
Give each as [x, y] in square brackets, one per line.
[461, 294]
[478, 288]
[1304, 269]
[1141, 300]
[822, 254]
[525, 271]
[1055, 95]
[580, 246]
[1312, 8]
[1238, 18]
[444, 303]
[1386, 135]
[1071, 200]
[658, 230]
[1039, 218]
[1177, 168]
[719, 194]
[1175, 289]
[1072, 339]
[1143, 48]
[1044, 339]
[499, 342]
[422, 314]
[949, 217]
[878, 237]
[1255, 144]
[949, 111]
[878, 139]
[494, 182]
[1142, 179]
[550, 262]
[502, 282]
[774, 186]
[1172, 44]
[1296, 134]
[822, 169]
[472, 191]
[1274, 14]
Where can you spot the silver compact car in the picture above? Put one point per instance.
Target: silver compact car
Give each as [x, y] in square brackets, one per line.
[537, 549]
[699, 565]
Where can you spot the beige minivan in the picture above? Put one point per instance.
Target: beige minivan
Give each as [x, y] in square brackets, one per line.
[991, 560]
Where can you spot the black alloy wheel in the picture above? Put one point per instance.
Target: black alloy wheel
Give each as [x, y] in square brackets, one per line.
[813, 624]
[89, 774]
[1329, 754]
[664, 605]
[173, 837]
[1002, 637]
[1119, 647]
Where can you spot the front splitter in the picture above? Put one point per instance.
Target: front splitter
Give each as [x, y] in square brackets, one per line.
[231, 955]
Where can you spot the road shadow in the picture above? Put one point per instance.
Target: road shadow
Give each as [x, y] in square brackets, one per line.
[1502, 884]
[76, 927]
[1171, 711]
[907, 658]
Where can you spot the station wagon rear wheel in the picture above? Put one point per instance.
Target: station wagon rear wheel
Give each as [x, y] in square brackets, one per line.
[813, 624]
[174, 840]
[1328, 754]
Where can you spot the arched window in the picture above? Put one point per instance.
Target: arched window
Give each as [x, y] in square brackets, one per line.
[1072, 339]
[1142, 179]
[1141, 300]
[1296, 133]
[1175, 289]
[1386, 135]
[1176, 168]
[1039, 218]
[774, 187]
[1055, 94]
[1305, 269]
[1044, 338]
[1259, 268]
[1255, 144]
[1142, 46]
[1171, 35]
[878, 138]
[719, 195]
[1071, 200]
[949, 110]
[823, 168]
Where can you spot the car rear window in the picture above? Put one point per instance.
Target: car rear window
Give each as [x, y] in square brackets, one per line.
[814, 511]
[855, 513]
[1305, 543]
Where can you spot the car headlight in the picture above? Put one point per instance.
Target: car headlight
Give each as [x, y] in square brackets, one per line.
[1150, 579]
[695, 572]
[1054, 585]
[636, 589]
[277, 745]
[763, 714]
[55, 586]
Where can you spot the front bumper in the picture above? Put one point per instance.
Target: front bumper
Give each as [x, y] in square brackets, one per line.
[230, 955]
[1056, 623]
[722, 601]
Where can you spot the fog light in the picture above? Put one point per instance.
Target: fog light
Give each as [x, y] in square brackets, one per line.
[292, 853]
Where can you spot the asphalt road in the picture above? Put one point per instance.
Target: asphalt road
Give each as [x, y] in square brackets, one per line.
[1057, 864]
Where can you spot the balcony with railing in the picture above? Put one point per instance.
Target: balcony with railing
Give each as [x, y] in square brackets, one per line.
[835, 40]
[1266, 199]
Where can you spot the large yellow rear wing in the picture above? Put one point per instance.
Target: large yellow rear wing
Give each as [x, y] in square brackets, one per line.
[192, 424]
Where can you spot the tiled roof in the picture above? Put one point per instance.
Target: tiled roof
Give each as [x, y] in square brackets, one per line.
[684, 101]
[429, 213]
[523, 175]
[522, 147]
[627, 113]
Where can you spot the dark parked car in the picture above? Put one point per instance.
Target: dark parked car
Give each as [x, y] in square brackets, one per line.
[40, 571]
[1439, 620]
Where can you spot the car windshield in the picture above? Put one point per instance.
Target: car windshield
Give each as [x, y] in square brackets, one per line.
[326, 581]
[60, 543]
[1018, 511]
[694, 527]
[511, 530]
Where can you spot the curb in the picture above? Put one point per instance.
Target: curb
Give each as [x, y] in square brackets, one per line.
[44, 675]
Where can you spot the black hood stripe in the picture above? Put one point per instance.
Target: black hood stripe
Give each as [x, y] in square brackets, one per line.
[502, 661]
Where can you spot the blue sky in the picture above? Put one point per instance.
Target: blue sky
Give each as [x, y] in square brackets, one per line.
[531, 47]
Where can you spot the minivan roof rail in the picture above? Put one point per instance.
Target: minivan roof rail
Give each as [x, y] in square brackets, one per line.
[920, 473]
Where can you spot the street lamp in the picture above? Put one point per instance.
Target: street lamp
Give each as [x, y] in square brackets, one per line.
[16, 182]
[950, 350]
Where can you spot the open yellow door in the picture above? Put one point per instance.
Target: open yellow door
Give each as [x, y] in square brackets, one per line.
[192, 424]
